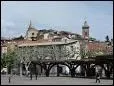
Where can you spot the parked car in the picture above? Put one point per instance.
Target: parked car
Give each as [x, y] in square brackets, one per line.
[4, 71]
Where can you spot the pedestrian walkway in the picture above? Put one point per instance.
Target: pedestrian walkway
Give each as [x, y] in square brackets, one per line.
[17, 80]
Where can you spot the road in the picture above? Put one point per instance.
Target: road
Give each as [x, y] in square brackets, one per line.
[17, 80]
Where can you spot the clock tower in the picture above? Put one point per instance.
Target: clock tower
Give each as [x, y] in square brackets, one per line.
[85, 30]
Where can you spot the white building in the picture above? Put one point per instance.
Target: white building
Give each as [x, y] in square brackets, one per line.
[46, 36]
[52, 50]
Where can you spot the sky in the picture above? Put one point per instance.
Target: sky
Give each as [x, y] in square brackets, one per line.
[57, 15]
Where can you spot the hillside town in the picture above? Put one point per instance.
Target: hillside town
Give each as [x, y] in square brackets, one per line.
[34, 35]
[57, 43]
[53, 45]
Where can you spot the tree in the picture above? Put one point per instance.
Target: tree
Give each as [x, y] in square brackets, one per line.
[92, 39]
[24, 57]
[36, 53]
[8, 60]
[56, 52]
[107, 39]
[3, 64]
[83, 49]
[19, 38]
[69, 51]
[94, 53]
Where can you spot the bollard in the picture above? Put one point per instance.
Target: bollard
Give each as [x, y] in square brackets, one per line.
[30, 76]
[9, 79]
[36, 77]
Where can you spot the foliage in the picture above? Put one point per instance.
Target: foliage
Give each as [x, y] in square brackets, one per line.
[3, 60]
[8, 59]
[82, 53]
[83, 50]
[93, 54]
[92, 39]
[107, 38]
[19, 38]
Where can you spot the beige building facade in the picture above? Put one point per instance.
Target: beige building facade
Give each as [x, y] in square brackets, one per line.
[31, 33]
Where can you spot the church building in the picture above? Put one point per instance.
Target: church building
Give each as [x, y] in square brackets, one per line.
[32, 33]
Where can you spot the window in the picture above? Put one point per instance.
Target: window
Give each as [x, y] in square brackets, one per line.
[85, 33]
[32, 33]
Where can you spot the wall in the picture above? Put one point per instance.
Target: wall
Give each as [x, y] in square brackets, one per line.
[55, 52]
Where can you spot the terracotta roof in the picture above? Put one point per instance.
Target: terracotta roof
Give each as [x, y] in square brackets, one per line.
[99, 46]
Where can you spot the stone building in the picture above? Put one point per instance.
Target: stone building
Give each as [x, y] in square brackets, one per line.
[56, 45]
[85, 30]
[31, 33]
[56, 51]
[34, 34]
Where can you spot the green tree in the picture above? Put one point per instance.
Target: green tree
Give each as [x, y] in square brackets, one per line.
[8, 60]
[83, 49]
[3, 60]
[92, 39]
[18, 38]
[107, 39]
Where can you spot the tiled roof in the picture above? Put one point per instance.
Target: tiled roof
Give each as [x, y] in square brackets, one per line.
[29, 41]
[43, 42]
[99, 46]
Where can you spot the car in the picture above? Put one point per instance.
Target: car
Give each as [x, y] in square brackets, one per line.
[4, 71]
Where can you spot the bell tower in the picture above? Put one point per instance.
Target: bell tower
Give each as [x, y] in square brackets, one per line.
[31, 33]
[85, 30]
[30, 25]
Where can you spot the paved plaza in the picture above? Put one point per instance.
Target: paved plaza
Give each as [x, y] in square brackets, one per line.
[17, 80]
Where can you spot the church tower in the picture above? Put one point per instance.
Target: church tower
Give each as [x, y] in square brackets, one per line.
[31, 33]
[85, 30]
[30, 25]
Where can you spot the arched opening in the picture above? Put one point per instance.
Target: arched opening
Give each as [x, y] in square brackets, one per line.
[80, 70]
[97, 68]
[36, 68]
[59, 69]
[77, 69]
